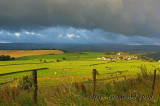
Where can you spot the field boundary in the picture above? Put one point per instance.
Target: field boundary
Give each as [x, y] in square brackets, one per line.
[93, 83]
[25, 63]
[23, 71]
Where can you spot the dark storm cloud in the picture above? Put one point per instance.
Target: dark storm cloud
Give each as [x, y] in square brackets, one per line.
[129, 17]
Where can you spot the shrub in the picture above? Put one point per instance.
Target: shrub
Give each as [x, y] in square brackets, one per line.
[25, 83]
[57, 60]
[44, 61]
[40, 60]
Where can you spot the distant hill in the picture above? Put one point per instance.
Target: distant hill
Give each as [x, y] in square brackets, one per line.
[154, 55]
[82, 47]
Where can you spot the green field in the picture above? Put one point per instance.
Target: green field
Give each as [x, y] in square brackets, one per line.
[76, 67]
[69, 80]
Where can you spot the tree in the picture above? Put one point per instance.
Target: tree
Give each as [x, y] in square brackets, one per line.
[151, 60]
[6, 58]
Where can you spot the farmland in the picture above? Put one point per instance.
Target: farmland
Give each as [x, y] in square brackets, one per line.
[73, 67]
[21, 53]
[76, 65]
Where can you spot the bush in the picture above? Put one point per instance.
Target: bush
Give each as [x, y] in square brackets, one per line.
[58, 60]
[40, 60]
[25, 83]
[45, 61]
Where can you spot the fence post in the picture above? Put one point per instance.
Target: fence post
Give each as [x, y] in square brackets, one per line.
[125, 78]
[94, 82]
[154, 79]
[35, 86]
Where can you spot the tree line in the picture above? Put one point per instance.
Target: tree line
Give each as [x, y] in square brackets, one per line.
[6, 58]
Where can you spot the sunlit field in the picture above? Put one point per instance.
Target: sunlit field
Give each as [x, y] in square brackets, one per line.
[21, 53]
[75, 69]
[76, 65]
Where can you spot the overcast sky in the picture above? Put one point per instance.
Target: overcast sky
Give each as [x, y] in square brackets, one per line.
[132, 22]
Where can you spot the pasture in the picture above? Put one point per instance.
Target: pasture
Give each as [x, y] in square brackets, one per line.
[76, 67]
[68, 80]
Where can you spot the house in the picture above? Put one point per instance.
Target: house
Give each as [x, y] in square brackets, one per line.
[106, 58]
[121, 53]
[130, 58]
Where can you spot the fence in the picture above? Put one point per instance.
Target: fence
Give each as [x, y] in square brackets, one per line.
[94, 73]
[34, 81]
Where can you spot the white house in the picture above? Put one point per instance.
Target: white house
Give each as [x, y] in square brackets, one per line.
[118, 53]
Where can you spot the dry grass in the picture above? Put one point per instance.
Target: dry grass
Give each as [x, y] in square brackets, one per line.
[131, 92]
[21, 53]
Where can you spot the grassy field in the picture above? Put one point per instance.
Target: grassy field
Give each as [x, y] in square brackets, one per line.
[77, 68]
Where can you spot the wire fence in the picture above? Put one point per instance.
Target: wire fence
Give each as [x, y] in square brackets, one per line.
[92, 82]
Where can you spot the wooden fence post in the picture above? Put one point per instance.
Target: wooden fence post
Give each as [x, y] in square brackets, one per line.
[94, 82]
[125, 78]
[35, 86]
[154, 79]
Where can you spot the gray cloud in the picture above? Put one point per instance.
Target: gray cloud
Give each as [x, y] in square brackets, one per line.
[129, 17]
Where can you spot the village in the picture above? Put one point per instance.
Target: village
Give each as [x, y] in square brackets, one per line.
[121, 56]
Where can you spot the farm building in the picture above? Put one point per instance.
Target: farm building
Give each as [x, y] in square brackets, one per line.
[118, 58]
[120, 53]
